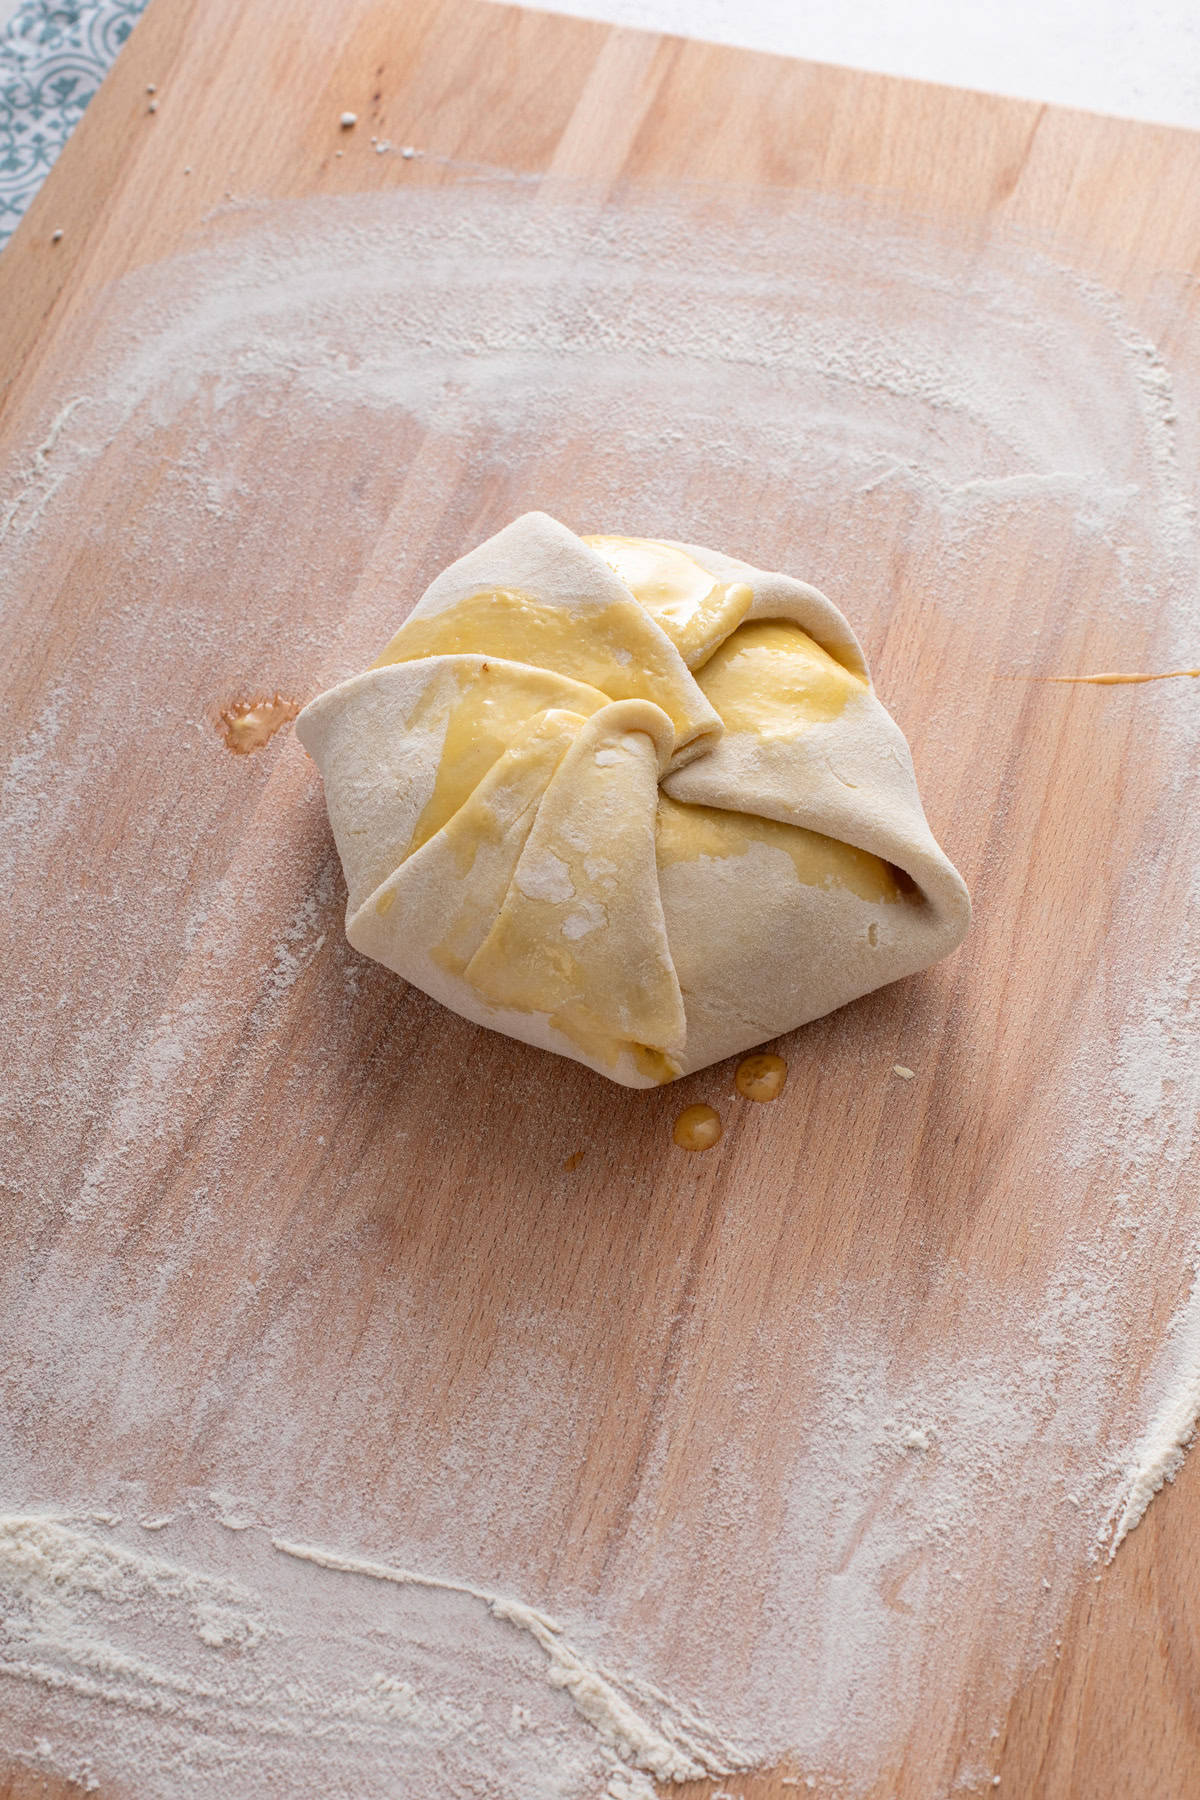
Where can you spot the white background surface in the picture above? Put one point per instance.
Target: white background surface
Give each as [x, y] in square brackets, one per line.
[1140, 58]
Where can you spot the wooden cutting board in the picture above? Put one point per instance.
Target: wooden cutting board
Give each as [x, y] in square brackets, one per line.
[418, 1150]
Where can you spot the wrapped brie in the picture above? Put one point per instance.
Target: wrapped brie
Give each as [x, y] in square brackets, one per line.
[632, 801]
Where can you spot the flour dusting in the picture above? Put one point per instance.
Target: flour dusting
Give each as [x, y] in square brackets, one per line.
[190, 1671]
[751, 1472]
[1158, 1455]
[594, 1692]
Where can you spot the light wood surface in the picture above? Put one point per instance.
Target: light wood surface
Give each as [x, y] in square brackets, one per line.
[637, 1245]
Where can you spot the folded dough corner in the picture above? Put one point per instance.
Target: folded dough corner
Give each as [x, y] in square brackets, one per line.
[632, 801]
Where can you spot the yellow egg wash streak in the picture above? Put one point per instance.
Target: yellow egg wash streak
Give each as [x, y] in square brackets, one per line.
[1116, 679]
[528, 677]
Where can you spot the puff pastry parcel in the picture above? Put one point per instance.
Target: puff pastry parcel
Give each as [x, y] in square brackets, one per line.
[632, 801]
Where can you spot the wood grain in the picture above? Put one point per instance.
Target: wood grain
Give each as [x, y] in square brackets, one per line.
[633, 1249]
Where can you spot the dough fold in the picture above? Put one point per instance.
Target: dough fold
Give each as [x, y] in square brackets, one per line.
[629, 800]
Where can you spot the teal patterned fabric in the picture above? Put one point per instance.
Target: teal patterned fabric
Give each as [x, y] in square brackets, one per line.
[53, 56]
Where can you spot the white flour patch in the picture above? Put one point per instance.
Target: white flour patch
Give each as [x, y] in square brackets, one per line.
[201, 1678]
[673, 1752]
[1158, 1456]
[29, 786]
[40, 480]
[224, 1280]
